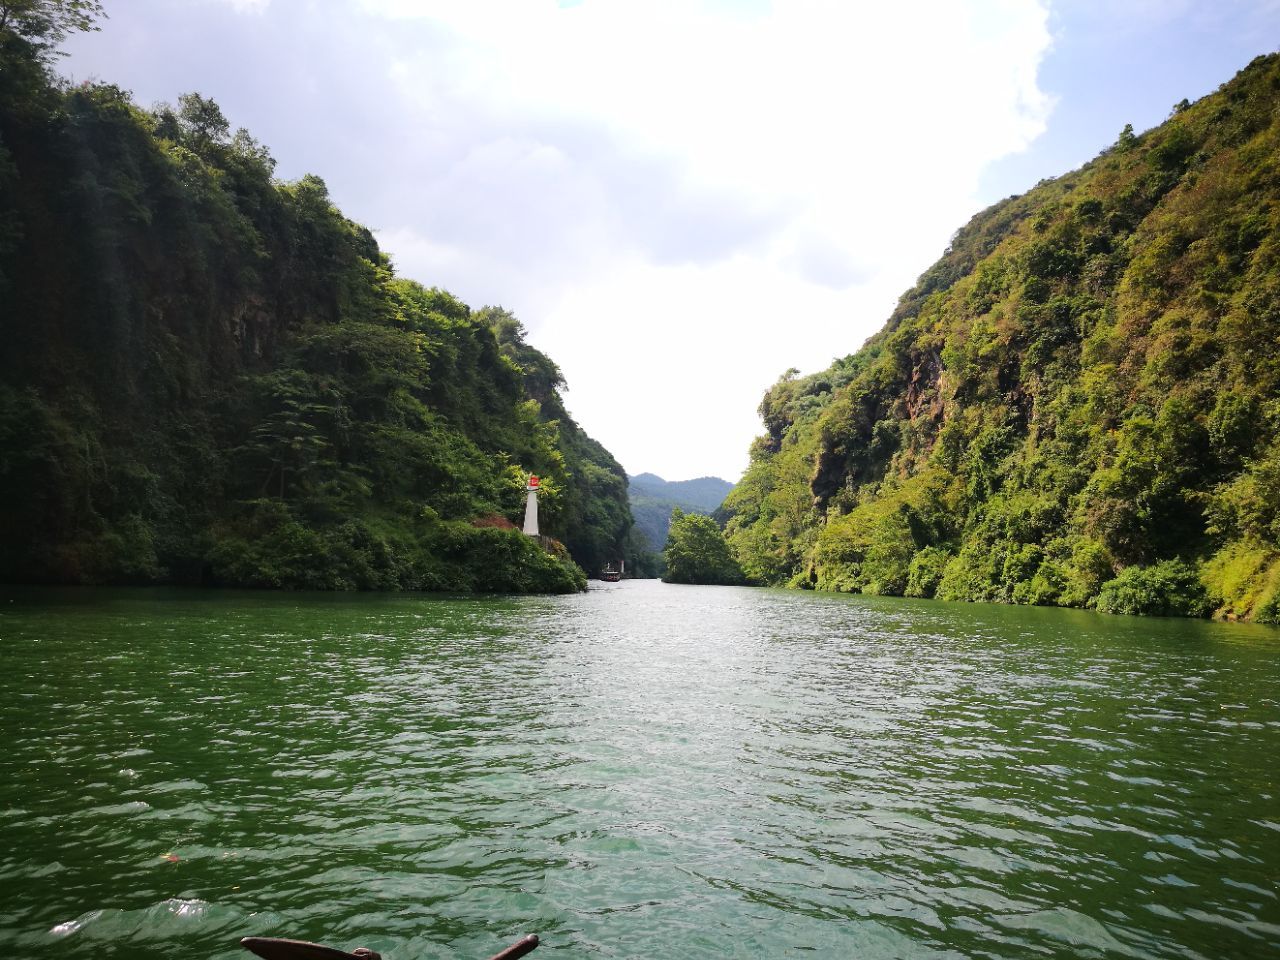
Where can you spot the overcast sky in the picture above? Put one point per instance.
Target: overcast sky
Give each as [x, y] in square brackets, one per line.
[680, 199]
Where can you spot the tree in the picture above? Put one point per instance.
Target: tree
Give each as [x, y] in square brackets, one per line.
[202, 120]
[1127, 139]
[696, 552]
[42, 25]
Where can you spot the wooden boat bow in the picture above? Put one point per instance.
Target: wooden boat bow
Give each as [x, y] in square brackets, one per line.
[274, 948]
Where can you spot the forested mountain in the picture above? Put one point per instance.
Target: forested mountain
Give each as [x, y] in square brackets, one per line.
[1079, 404]
[210, 376]
[653, 499]
[702, 493]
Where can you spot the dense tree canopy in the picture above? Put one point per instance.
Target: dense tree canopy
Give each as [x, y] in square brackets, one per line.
[696, 552]
[1079, 404]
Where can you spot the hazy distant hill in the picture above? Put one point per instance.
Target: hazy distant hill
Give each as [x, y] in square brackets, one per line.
[702, 495]
[653, 499]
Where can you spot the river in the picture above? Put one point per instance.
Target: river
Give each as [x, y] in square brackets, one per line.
[643, 770]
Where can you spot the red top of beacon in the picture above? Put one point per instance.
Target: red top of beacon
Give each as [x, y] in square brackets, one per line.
[533, 481]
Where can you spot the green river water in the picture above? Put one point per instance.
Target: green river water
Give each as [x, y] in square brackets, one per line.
[641, 771]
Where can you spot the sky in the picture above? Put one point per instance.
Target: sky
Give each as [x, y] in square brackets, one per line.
[681, 199]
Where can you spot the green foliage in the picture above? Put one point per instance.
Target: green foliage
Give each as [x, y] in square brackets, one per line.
[925, 572]
[1171, 588]
[276, 550]
[1246, 576]
[867, 551]
[1082, 391]
[214, 377]
[1248, 504]
[38, 27]
[696, 552]
[1086, 567]
[1126, 141]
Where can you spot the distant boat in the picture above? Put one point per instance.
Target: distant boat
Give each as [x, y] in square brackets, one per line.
[611, 575]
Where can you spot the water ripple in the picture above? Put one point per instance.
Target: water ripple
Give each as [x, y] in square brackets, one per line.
[640, 771]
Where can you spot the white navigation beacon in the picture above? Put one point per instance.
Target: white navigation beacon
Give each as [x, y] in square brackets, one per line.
[531, 507]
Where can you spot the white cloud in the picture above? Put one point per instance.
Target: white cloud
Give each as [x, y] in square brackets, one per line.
[247, 6]
[671, 361]
[681, 200]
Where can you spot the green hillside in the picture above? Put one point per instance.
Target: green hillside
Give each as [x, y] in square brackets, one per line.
[210, 376]
[1079, 404]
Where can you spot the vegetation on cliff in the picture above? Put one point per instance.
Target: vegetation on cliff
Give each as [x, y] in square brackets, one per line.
[210, 376]
[1079, 404]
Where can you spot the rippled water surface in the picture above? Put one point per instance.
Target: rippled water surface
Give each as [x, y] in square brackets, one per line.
[642, 771]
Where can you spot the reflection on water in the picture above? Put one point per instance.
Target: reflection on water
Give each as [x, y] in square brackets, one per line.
[641, 771]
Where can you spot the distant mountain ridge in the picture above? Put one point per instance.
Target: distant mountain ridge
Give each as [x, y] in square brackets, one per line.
[703, 494]
[653, 499]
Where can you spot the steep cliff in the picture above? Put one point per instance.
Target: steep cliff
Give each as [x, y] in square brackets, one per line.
[210, 376]
[1079, 404]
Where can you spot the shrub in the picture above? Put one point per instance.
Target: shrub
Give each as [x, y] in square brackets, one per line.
[973, 573]
[1172, 589]
[1246, 576]
[1088, 568]
[1042, 590]
[925, 572]
[1269, 609]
